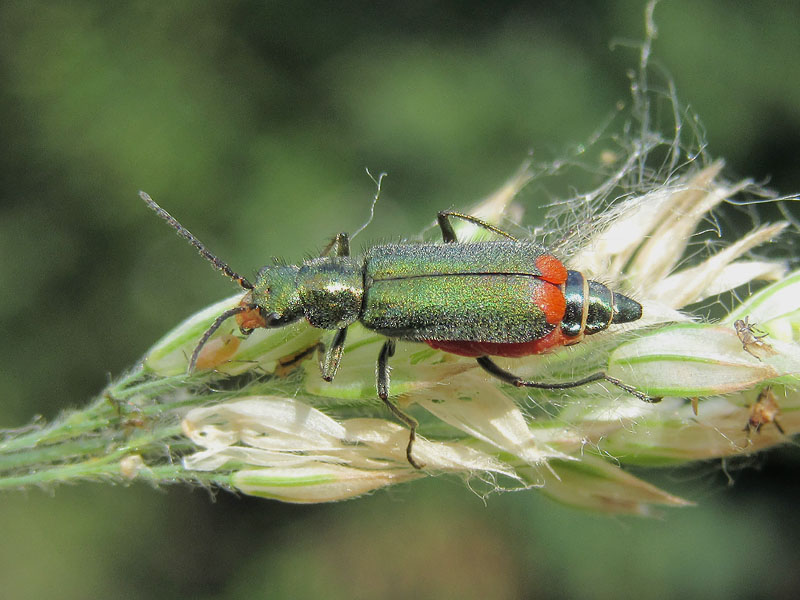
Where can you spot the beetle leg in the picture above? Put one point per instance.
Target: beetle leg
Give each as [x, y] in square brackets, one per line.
[383, 392]
[491, 367]
[339, 244]
[329, 361]
[449, 234]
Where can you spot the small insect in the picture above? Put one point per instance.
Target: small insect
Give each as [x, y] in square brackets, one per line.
[764, 412]
[752, 343]
[130, 415]
[507, 298]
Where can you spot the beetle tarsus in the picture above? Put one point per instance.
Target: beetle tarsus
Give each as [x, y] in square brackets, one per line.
[412, 436]
[632, 390]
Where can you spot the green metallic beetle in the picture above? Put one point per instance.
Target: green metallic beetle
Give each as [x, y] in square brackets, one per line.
[480, 299]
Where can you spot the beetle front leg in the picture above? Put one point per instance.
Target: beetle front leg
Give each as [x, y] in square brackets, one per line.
[329, 361]
[449, 234]
[339, 244]
[491, 367]
[382, 374]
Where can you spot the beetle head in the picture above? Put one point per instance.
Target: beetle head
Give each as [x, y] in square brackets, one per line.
[276, 296]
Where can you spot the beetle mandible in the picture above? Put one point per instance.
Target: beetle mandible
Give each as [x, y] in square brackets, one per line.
[506, 298]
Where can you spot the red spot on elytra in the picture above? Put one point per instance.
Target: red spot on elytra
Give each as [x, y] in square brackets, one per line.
[551, 300]
[551, 269]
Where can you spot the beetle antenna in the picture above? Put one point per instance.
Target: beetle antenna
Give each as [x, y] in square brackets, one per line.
[210, 331]
[187, 235]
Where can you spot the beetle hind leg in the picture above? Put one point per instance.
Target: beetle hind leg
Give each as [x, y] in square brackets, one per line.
[492, 368]
[449, 234]
[383, 392]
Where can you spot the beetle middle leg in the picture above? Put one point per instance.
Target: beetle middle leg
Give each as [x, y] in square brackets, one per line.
[383, 392]
[491, 367]
[449, 234]
[329, 361]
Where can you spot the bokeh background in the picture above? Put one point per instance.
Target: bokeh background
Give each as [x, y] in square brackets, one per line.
[253, 123]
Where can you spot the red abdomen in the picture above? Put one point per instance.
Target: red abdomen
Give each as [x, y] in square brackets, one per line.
[554, 339]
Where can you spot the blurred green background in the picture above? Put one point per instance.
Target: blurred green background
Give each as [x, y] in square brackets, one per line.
[253, 123]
